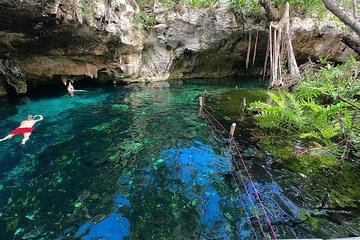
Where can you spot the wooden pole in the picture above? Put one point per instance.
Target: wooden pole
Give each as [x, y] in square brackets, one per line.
[201, 103]
[232, 130]
[244, 104]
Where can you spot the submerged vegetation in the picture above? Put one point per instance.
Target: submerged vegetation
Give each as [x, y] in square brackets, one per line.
[320, 116]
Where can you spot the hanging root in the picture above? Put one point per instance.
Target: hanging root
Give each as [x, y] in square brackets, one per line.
[279, 44]
[256, 42]
[248, 52]
[266, 59]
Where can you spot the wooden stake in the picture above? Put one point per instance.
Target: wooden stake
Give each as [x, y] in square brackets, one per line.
[244, 104]
[232, 130]
[201, 102]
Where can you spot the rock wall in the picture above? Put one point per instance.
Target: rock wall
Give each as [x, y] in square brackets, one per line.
[69, 38]
[44, 41]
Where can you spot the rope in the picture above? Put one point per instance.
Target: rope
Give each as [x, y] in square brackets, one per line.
[217, 121]
[238, 185]
[241, 177]
[255, 190]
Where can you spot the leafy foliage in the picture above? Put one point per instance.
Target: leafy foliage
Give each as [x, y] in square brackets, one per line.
[246, 6]
[299, 7]
[321, 112]
[200, 3]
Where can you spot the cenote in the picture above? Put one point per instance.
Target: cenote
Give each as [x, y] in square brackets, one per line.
[140, 162]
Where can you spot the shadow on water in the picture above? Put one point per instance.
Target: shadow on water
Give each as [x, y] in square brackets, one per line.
[134, 162]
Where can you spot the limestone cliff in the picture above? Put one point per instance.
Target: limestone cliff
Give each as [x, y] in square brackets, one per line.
[45, 41]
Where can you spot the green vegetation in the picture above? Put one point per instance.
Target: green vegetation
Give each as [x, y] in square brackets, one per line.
[298, 7]
[145, 19]
[319, 120]
[200, 3]
[245, 6]
[145, 57]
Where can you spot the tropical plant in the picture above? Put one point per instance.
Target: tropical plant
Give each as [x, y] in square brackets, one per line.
[322, 110]
[200, 3]
[246, 6]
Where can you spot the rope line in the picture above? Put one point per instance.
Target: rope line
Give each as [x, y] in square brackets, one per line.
[236, 182]
[255, 190]
[232, 141]
[217, 121]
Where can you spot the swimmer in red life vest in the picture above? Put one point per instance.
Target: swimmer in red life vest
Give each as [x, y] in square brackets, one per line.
[25, 128]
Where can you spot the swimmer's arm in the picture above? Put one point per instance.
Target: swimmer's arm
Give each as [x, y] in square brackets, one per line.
[40, 117]
[79, 90]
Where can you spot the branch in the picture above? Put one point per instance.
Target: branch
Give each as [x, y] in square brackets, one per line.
[352, 43]
[343, 15]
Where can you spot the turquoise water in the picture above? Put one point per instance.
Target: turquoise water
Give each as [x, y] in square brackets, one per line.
[131, 162]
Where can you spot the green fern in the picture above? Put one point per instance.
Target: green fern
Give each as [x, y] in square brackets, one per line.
[315, 112]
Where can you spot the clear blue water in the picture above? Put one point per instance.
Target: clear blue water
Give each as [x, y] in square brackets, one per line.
[131, 162]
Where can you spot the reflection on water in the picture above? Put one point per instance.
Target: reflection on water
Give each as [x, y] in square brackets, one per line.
[134, 162]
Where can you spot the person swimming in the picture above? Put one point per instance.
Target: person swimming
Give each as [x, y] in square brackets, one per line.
[70, 88]
[25, 128]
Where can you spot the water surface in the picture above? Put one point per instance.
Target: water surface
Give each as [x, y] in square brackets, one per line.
[135, 162]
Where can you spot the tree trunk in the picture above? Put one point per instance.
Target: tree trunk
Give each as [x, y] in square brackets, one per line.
[343, 15]
[271, 13]
[279, 44]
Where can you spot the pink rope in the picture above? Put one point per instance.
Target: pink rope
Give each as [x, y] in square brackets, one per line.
[249, 176]
[217, 121]
[255, 190]
[238, 186]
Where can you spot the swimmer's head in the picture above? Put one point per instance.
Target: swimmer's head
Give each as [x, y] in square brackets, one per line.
[30, 117]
